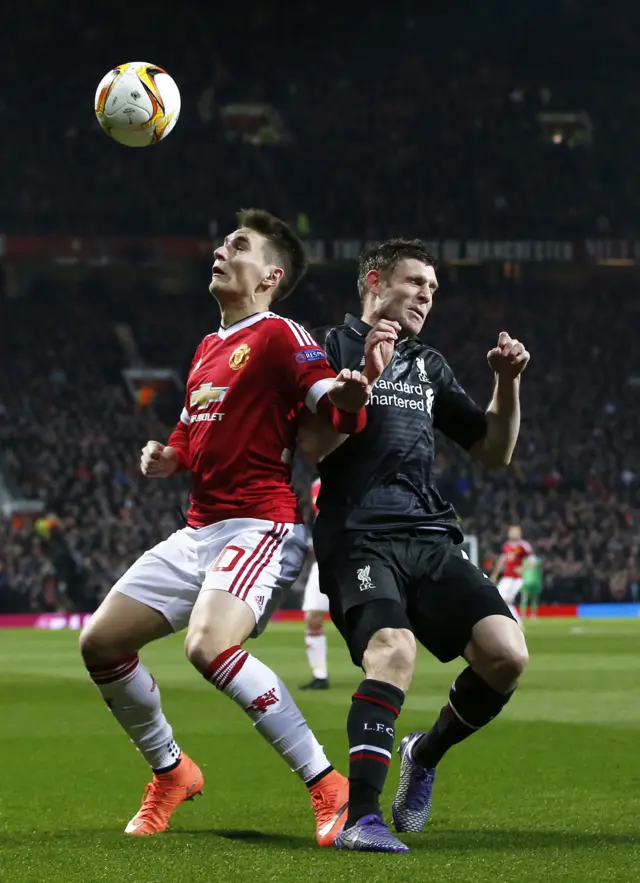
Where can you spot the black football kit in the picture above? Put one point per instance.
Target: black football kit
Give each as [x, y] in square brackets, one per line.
[383, 532]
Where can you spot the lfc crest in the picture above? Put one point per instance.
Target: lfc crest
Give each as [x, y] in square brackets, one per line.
[239, 357]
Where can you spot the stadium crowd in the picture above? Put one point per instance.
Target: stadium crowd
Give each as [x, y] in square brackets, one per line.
[378, 108]
[372, 110]
[71, 433]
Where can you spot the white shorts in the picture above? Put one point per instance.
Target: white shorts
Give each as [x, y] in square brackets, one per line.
[313, 597]
[509, 587]
[251, 558]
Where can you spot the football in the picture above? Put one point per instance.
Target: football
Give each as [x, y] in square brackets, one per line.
[137, 104]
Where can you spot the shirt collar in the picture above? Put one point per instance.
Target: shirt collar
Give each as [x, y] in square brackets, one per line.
[357, 324]
[242, 323]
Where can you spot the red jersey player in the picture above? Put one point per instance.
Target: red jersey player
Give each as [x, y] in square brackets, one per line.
[509, 566]
[221, 575]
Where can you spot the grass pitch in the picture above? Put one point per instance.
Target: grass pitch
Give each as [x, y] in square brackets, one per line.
[549, 791]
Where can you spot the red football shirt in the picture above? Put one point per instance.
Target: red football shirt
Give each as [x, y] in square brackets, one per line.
[237, 431]
[515, 553]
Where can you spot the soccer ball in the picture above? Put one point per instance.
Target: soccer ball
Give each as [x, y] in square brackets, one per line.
[137, 103]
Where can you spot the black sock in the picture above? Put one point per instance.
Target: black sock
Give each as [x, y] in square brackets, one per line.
[472, 705]
[371, 730]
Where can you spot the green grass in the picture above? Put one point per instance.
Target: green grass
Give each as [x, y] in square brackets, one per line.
[549, 791]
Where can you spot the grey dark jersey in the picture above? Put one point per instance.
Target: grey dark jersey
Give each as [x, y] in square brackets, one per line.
[383, 478]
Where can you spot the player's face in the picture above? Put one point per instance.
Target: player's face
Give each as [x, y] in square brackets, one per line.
[240, 266]
[406, 295]
[515, 533]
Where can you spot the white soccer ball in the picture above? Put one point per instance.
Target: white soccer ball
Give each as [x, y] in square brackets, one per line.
[137, 103]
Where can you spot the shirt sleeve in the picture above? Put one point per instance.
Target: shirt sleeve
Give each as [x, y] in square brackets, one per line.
[304, 363]
[456, 414]
[179, 438]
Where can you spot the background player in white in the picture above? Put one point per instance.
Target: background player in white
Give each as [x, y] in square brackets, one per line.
[248, 386]
[315, 606]
[509, 567]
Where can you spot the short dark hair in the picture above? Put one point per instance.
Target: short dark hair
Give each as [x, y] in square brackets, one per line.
[385, 256]
[286, 246]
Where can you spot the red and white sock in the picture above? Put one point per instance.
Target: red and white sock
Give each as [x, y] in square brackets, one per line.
[316, 645]
[133, 698]
[261, 693]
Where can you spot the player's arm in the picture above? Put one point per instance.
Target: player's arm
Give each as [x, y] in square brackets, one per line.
[490, 436]
[161, 461]
[456, 414]
[339, 401]
[507, 360]
[317, 437]
[496, 573]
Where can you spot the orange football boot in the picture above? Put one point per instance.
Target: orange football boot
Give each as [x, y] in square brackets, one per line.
[164, 795]
[330, 801]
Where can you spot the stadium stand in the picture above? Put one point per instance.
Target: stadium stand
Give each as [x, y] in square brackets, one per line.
[405, 124]
[71, 434]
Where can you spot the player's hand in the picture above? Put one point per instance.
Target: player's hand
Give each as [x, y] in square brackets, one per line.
[350, 391]
[378, 348]
[509, 358]
[157, 460]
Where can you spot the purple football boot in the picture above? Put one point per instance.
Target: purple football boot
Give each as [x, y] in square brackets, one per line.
[412, 804]
[369, 834]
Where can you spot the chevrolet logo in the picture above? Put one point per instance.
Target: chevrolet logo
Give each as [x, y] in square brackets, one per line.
[206, 395]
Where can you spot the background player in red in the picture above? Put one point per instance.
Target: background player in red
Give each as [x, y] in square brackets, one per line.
[220, 576]
[315, 606]
[509, 567]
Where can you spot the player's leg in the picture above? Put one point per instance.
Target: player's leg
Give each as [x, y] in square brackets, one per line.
[524, 603]
[535, 602]
[315, 606]
[461, 613]
[147, 603]
[367, 609]
[508, 587]
[257, 561]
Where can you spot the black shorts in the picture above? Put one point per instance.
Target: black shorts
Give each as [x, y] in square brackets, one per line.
[443, 594]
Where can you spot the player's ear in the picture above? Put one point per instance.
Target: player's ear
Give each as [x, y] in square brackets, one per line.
[273, 277]
[372, 279]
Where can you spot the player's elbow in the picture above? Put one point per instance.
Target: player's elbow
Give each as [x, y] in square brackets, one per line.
[491, 456]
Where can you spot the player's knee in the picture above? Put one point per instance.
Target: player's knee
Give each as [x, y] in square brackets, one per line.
[203, 645]
[314, 621]
[513, 656]
[499, 652]
[98, 646]
[390, 656]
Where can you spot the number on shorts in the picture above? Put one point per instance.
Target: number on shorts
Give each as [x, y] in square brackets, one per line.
[228, 559]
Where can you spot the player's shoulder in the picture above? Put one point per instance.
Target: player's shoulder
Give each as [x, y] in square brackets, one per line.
[286, 330]
[431, 355]
[323, 333]
[207, 341]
